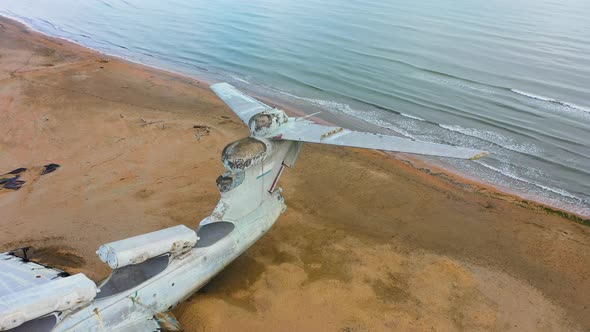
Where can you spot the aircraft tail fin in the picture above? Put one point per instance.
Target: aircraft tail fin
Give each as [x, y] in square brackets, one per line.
[274, 124]
[243, 105]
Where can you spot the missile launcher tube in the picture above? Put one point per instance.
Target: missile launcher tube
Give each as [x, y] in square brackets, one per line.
[134, 250]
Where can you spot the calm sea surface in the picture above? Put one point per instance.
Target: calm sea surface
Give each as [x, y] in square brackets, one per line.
[508, 76]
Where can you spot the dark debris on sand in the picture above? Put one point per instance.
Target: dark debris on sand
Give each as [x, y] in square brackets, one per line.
[17, 171]
[49, 168]
[12, 181]
[14, 184]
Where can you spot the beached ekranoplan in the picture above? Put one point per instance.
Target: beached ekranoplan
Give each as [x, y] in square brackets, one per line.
[112, 219]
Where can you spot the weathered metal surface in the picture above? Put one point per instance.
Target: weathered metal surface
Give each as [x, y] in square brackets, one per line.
[137, 249]
[308, 131]
[130, 276]
[244, 153]
[18, 273]
[167, 322]
[331, 132]
[61, 295]
[298, 129]
[41, 324]
[211, 233]
[229, 181]
[182, 277]
[267, 122]
[243, 105]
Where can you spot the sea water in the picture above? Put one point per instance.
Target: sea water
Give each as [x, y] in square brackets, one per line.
[508, 76]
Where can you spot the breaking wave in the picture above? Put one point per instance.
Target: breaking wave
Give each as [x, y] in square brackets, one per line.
[495, 138]
[513, 176]
[467, 84]
[336, 107]
[551, 100]
[479, 108]
[412, 117]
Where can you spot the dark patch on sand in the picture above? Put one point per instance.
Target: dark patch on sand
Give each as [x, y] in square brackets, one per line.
[471, 311]
[354, 327]
[267, 249]
[49, 251]
[321, 259]
[144, 193]
[239, 276]
[393, 290]
[62, 257]
[45, 51]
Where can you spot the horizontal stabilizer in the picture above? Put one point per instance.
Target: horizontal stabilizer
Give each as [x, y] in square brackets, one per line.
[17, 273]
[243, 105]
[297, 129]
[302, 130]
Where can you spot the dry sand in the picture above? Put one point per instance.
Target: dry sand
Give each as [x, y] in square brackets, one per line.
[368, 242]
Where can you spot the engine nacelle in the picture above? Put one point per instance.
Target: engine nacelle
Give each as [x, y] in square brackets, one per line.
[245, 153]
[265, 123]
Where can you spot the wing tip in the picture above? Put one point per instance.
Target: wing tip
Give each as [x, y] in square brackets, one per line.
[221, 85]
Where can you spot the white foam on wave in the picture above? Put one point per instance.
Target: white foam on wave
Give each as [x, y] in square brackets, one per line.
[496, 138]
[513, 176]
[530, 95]
[239, 79]
[367, 116]
[452, 82]
[551, 100]
[412, 117]
[473, 86]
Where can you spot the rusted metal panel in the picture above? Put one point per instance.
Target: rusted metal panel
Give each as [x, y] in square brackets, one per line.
[267, 122]
[229, 180]
[243, 154]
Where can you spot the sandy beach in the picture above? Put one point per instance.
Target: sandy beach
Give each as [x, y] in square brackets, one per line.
[368, 242]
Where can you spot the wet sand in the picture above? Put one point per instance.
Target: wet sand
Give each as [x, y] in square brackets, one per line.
[368, 242]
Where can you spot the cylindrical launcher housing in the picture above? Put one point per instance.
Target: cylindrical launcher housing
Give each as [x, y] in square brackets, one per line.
[137, 249]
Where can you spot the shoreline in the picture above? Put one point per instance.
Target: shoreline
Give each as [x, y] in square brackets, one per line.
[425, 165]
[356, 123]
[452, 175]
[368, 242]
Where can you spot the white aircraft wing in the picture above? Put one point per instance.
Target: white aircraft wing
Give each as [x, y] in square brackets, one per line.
[17, 274]
[244, 106]
[144, 325]
[301, 130]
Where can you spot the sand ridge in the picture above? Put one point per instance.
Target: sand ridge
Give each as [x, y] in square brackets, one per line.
[367, 243]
